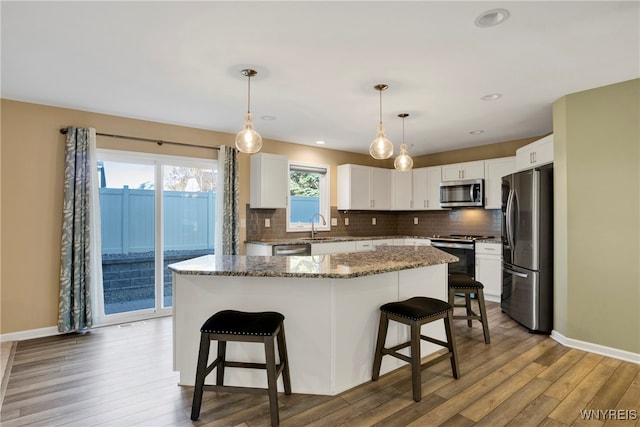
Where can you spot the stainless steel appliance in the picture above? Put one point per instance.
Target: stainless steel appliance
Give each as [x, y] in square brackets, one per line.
[292, 250]
[461, 194]
[462, 246]
[527, 241]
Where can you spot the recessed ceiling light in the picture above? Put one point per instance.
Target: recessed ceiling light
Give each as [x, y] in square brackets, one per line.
[492, 17]
[491, 97]
[321, 142]
[268, 118]
[476, 132]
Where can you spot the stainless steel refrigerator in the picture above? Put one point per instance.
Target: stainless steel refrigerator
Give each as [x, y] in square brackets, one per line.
[527, 241]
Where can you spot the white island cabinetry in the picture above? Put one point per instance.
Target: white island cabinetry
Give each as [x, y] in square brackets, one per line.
[330, 303]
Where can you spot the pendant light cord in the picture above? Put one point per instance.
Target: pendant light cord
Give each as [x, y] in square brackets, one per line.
[380, 106]
[249, 93]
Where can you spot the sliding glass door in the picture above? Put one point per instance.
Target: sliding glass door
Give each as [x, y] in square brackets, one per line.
[155, 210]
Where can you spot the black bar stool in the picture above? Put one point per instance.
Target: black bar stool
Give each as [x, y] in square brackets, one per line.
[232, 325]
[415, 312]
[463, 284]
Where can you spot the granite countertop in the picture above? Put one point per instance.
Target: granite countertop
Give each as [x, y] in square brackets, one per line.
[338, 266]
[327, 239]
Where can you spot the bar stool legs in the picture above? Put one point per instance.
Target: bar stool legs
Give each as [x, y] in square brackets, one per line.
[415, 312]
[266, 328]
[463, 284]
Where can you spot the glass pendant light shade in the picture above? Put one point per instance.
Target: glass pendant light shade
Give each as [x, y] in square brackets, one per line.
[403, 162]
[381, 148]
[248, 140]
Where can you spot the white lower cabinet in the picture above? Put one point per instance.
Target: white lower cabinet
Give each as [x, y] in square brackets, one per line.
[489, 269]
[333, 247]
[254, 249]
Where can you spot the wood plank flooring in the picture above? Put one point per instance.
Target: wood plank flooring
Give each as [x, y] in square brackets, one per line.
[121, 376]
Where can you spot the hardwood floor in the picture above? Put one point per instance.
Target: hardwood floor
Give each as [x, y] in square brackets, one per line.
[121, 376]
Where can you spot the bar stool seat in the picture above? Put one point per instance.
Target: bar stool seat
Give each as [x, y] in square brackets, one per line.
[232, 325]
[415, 312]
[463, 284]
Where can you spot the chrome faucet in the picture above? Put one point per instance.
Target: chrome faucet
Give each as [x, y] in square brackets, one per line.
[313, 229]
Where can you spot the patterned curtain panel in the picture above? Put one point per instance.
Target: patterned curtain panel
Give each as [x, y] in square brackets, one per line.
[78, 255]
[229, 232]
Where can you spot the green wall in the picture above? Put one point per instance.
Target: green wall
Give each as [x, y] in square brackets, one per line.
[597, 211]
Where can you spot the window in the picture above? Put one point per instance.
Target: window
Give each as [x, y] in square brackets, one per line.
[155, 210]
[308, 197]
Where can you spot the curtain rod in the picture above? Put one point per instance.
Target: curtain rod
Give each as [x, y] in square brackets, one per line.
[136, 138]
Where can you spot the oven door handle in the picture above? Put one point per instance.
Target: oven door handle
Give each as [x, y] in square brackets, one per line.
[451, 245]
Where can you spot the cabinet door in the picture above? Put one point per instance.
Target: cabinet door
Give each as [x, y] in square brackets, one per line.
[353, 187]
[544, 151]
[269, 181]
[458, 171]
[489, 273]
[537, 153]
[402, 193]
[419, 189]
[494, 170]
[473, 170]
[259, 250]
[434, 177]
[452, 172]
[380, 189]
[332, 248]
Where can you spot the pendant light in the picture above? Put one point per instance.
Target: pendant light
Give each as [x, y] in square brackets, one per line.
[381, 148]
[248, 140]
[403, 162]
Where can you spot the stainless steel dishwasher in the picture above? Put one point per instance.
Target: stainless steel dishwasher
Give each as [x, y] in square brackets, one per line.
[292, 250]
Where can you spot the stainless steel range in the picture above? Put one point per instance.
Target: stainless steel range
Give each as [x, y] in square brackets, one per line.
[462, 246]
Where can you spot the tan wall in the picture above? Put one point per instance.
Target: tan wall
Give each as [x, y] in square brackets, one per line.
[32, 157]
[597, 164]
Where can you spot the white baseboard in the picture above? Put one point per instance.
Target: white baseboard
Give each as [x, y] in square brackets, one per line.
[596, 348]
[30, 334]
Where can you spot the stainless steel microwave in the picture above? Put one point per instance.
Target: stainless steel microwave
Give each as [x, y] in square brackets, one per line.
[462, 194]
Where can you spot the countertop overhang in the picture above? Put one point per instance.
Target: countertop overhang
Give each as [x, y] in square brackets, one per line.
[383, 259]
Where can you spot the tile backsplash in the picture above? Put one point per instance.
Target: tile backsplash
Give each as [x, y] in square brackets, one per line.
[454, 221]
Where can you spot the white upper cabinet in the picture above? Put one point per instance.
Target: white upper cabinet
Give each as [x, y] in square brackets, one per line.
[269, 181]
[494, 170]
[467, 170]
[401, 190]
[363, 188]
[426, 188]
[380, 189]
[537, 153]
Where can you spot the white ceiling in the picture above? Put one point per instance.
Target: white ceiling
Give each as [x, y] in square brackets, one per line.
[317, 63]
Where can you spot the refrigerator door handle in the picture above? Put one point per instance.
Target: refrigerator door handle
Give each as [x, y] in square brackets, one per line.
[515, 273]
[509, 222]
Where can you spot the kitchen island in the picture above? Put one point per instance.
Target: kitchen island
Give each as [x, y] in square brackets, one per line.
[330, 303]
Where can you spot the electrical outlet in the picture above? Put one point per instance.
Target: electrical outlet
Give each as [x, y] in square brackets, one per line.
[334, 222]
[415, 220]
[346, 221]
[373, 221]
[267, 223]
